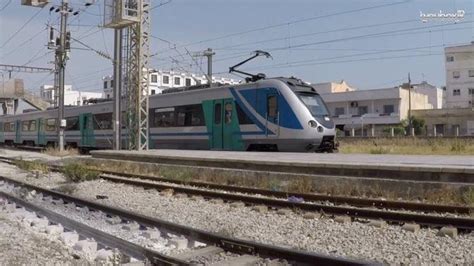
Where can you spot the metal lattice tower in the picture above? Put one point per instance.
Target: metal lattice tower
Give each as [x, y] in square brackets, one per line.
[138, 81]
[132, 16]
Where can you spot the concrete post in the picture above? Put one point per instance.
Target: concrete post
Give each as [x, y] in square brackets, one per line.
[352, 132]
[412, 131]
[457, 131]
[372, 131]
[434, 130]
[392, 132]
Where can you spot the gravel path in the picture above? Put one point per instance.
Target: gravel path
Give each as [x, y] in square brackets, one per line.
[21, 245]
[390, 245]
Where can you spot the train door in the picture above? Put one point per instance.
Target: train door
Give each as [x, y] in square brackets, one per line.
[18, 131]
[41, 134]
[217, 139]
[272, 114]
[222, 124]
[86, 126]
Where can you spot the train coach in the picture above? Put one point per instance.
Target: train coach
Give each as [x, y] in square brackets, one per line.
[274, 114]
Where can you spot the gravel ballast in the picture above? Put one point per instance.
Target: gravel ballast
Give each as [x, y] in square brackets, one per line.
[23, 245]
[391, 244]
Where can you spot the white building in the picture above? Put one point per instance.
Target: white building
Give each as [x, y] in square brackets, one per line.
[459, 76]
[71, 97]
[160, 80]
[370, 112]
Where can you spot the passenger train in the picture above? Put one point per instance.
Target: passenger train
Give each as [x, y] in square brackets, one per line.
[273, 114]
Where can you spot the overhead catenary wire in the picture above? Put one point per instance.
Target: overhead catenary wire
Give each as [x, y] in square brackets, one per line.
[21, 28]
[290, 23]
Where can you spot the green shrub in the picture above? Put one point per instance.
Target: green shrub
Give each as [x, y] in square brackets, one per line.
[77, 173]
[32, 165]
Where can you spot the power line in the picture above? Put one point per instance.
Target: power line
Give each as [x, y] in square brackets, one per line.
[21, 28]
[291, 23]
[6, 5]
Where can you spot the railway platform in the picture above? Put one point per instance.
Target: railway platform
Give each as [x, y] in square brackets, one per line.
[416, 167]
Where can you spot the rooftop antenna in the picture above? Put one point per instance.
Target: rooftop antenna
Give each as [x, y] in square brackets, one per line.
[252, 77]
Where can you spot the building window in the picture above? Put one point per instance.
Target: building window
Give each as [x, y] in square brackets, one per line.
[339, 111]
[153, 92]
[177, 81]
[471, 73]
[388, 109]
[471, 91]
[456, 92]
[154, 78]
[105, 84]
[449, 58]
[166, 80]
[188, 82]
[112, 83]
[456, 74]
[362, 110]
[108, 96]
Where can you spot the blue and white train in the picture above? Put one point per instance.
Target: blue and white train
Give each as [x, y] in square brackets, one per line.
[274, 114]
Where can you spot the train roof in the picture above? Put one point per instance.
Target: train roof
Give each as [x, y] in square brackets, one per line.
[294, 83]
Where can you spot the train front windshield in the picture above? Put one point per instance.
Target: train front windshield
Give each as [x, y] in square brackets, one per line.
[315, 104]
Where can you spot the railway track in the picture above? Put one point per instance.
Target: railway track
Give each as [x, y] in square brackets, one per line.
[359, 208]
[242, 248]
[437, 221]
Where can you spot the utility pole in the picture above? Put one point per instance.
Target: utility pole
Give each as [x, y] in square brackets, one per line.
[410, 122]
[117, 87]
[61, 53]
[209, 53]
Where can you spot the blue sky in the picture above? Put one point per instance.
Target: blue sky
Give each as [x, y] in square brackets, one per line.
[370, 44]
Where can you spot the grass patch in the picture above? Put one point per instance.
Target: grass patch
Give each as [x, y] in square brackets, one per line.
[32, 166]
[408, 145]
[55, 152]
[76, 172]
[468, 196]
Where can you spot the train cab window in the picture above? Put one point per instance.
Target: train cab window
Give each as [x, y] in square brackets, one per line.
[272, 107]
[217, 113]
[50, 124]
[72, 123]
[103, 121]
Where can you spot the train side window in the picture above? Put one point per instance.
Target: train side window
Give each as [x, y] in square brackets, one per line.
[72, 123]
[103, 121]
[272, 108]
[217, 113]
[189, 115]
[32, 126]
[228, 113]
[9, 127]
[25, 125]
[162, 117]
[50, 124]
[244, 119]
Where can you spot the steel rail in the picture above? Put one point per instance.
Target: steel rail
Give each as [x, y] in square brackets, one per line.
[338, 200]
[227, 243]
[390, 216]
[126, 247]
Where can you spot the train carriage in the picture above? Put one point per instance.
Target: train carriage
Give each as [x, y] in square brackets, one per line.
[277, 114]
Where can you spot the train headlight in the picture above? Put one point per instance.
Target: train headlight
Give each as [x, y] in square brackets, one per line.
[312, 123]
[320, 129]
